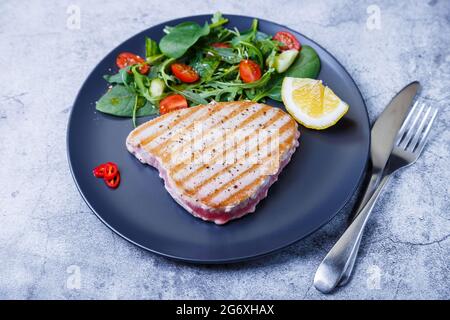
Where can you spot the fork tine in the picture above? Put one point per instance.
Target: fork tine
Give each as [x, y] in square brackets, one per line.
[409, 131]
[423, 140]
[418, 133]
[406, 122]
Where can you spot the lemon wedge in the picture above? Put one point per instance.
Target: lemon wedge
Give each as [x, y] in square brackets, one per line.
[311, 103]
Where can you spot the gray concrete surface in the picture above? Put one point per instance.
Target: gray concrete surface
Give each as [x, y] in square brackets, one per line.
[52, 246]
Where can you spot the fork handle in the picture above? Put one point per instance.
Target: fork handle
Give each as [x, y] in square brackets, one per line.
[374, 181]
[351, 264]
[368, 193]
[344, 252]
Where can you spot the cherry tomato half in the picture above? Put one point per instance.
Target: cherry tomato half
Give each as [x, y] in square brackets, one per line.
[126, 59]
[249, 71]
[184, 72]
[172, 103]
[288, 39]
[114, 182]
[220, 45]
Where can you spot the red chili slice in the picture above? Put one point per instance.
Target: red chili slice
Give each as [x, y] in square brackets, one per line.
[99, 171]
[111, 170]
[114, 182]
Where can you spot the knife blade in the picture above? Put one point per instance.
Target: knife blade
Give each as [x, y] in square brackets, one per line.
[383, 134]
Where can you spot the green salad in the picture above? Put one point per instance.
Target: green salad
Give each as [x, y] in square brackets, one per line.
[195, 64]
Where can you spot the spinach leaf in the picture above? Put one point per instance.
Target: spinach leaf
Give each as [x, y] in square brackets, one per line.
[307, 65]
[181, 38]
[119, 101]
[121, 77]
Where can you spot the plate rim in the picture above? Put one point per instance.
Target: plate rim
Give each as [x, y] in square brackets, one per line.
[240, 258]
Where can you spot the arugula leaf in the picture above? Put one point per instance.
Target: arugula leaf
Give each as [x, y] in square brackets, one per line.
[155, 59]
[253, 52]
[154, 71]
[266, 44]
[247, 36]
[259, 83]
[217, 20]
[119, 101]
[226, 74]
[151, 48]
[192, 96]
[219, 35]
[227, 55]
[205, 67]
[259, 36]
[142, 83]
[221, 94]
[181, 38]
[307, 65]
[134, 112]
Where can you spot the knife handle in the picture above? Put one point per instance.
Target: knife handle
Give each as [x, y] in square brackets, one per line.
[336, 262]
[370, 190]
[374, 181]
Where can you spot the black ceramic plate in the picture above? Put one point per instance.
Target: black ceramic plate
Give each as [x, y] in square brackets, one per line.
[321, 177]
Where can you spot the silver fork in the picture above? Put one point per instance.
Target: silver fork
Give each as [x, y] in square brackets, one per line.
[410, 142]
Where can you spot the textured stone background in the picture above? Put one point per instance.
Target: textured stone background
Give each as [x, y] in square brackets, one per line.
[46, 227]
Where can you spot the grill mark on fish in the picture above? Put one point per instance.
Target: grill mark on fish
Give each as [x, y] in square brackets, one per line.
[272, 120]
[136, 132]
[244, 192]
[185, 115]
[207, 199]
[157, 134]
[180, 166]
[180, 183]
[173, 153]
[160, 148]
[191, 191]
[236, 196]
